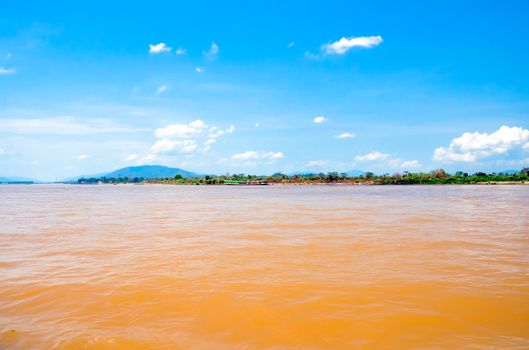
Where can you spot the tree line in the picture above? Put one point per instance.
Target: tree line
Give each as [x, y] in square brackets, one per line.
[438, 176]
[110, 180]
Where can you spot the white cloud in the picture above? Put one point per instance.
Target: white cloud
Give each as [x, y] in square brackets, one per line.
[343, 45]
[372, 156]
[161, 89]
[291, 44]
[158, 48]
[472, 146]
[320, 119]
[83, 156]
[256, 155]
[257, 125]
[131, 157]
[199, 70]
[345, 135]
[62, 126]
[181, 51]
[2, 151]
[212, 53]
[196, 136]
[7, 71]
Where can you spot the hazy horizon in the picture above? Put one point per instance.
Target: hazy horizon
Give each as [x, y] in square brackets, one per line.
[350, 172]
[216, 88]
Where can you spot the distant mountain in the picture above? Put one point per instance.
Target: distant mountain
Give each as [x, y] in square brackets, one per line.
[15, 179]
[150, 172]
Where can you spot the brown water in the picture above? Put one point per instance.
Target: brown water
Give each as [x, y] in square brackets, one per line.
[168, 267]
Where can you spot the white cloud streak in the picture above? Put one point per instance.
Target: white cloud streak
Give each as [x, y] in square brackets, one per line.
[343, 45]
[345, 135]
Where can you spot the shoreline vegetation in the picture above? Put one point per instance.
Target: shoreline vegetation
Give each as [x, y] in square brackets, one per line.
[435, 177]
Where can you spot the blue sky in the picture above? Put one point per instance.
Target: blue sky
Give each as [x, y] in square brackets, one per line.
[240, 87]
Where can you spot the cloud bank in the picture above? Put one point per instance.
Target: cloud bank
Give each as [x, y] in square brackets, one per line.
[473, 146]
[194, 137]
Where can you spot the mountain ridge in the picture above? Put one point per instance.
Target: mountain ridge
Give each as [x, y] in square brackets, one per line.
[150, 172]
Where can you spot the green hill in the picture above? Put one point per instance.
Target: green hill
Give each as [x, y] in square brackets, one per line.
[150, 172]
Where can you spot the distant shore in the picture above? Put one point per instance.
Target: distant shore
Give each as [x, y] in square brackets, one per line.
[435, 177]
[277, 184]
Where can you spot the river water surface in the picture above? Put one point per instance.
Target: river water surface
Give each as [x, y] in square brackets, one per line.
[316, 267]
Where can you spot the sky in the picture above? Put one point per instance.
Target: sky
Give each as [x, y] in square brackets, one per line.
[261, 87]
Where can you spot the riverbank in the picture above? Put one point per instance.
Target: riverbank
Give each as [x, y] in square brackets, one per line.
[366, 183]
[435, 177]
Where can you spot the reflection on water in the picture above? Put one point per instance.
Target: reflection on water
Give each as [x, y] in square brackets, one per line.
[168, 267]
